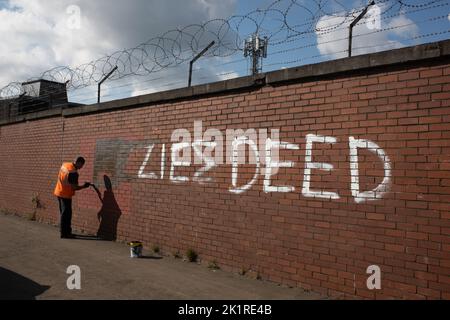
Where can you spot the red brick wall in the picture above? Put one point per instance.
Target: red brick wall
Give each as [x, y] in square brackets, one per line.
[321, 244]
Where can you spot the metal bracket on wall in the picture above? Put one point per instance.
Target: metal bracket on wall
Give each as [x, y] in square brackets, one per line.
[103, 80]
[191, 63]
[353, 24]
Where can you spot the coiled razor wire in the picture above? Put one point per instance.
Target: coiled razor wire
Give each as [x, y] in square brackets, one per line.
[278, 21]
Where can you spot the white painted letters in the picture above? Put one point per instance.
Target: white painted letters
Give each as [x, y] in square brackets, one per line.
[209, 161]
[242, 140]
[383, 187]
[150, 175]
[306, 191]
[277, 164]
[209, 153]
[176, 148]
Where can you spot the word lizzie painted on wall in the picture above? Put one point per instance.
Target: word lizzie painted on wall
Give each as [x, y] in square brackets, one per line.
[265, 153]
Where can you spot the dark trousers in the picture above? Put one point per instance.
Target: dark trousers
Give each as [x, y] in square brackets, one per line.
[65, 209]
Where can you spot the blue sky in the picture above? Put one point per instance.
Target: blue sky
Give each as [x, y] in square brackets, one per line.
[400, 26]
[300, 32]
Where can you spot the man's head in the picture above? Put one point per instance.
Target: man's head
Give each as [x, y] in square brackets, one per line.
[79, 162]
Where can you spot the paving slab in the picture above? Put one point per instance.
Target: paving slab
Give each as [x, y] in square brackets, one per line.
[34, 262]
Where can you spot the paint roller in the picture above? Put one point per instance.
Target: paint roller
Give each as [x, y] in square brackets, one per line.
[96, 190]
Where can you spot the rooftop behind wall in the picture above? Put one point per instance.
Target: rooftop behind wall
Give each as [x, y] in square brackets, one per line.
[38, 96]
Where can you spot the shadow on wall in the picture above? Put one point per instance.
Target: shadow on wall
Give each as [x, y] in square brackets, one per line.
[13, 286]
[109, 214]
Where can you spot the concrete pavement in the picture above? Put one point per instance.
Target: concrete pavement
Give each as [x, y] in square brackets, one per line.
[33, 264]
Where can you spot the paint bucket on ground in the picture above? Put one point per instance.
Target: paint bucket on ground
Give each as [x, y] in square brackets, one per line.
[135, 249]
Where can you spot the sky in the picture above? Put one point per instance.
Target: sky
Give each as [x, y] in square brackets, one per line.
[40, 35]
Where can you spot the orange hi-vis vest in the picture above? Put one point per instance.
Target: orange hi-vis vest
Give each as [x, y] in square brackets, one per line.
[63, 188]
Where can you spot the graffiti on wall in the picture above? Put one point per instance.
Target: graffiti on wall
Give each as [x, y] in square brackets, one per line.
[208, 150]
[260, 148]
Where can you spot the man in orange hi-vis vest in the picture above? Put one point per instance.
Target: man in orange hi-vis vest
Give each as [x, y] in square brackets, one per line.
[65, 189]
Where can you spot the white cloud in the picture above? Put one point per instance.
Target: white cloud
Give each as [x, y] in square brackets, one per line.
[37, 36]
[411, 29]
[209, 70]
[334, 43]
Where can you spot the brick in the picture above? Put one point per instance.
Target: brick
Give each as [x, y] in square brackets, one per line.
[431, 73]
[394, 247]
[410, 75]
[323, 244]
[429, 293]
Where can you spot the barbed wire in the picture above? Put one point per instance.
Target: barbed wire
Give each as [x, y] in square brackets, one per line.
[334, 40]
[431, 34]
[223, 75]
[277, 42]
[180, 83]
[278, 21]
